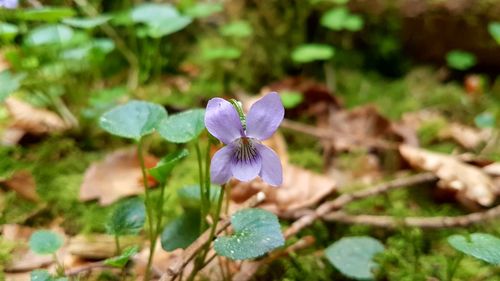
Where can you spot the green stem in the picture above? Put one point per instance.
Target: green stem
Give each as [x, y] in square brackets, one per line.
[147, 203]
[204, 206]
[453, 266]
[117, 245]
[207, 177]
[201, 260]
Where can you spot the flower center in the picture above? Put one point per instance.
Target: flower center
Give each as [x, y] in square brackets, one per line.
[245, 149]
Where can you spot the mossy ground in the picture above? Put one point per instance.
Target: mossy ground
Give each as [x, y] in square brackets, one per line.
[58, 164]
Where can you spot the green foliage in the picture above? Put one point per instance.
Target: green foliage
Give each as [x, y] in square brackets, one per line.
[237, 29]
[204, 9]
[312, 52]
[128, 218]
[133, 120]
[182, 231]
[353, 256]
[50, 34]
[220, 53]
[291, 99]
[341, 19]
[46, 14]
[44, 242]
[10, 83]
[87, 23]
[460, 60]
[160, 19]
[8, 31]
[44, 275]
[483, 246]
[485, 120]
[164, 167]
[183, 127]
[494, 29]
[122, 260]
[190, 198]
[256, 232]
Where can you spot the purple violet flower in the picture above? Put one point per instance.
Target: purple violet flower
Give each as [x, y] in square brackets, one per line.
[244, 156]
[9, 4]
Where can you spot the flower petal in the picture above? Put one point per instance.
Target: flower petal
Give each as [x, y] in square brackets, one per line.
[265, 116]
[246, 169]
[271, 171]
[220, 167]
[222, 120]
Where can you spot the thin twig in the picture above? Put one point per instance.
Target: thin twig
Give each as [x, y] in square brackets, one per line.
[423, 222]
[344, 199]
[174, 269]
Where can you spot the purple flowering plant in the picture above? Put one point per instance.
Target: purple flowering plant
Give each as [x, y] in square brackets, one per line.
[244, 156]
[9, 4]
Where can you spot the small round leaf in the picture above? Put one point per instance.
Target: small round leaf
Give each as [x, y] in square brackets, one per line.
[494, 29]
[45, 242]
[87, 23]
[291, 99]
[183, 127]
[482, 246]
[256, 232]
[460, 60]
[312, 52]
[133, 120]
[353, 256]
[49, 34]
[128, 218]
[163, 168]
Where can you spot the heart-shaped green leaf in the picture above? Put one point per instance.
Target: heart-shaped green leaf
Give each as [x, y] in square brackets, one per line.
[494, 29]
[48, 14]
[87, 23]
[163, 168]
[10, 83]
[312, 52]
[121, 260]
[482, 246]
[256, 232]
[133, 120]
[160, 19]
[460, 60]
[353, 256]
[341, 18]
[182, 231]
[183, 127]
[45, 242]
[127, 218]
[49, 34]
[189, 196]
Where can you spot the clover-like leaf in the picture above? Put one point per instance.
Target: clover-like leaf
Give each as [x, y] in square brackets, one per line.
[127, 218]
[256, 232]
[121, 260]
[49, 34]
[183, 127]
[133, 120]
[353, 256]
[312, 52]
[190, 198]
[460, 60]
[482, 246]
[87, 23]
[182, 231]
[47, 14]
[45, 242]
[163, 168]
[10, 83]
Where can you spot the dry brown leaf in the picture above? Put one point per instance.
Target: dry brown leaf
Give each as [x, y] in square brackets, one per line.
[33, 120]
[493, 169]
[117, 176]
[24, 184]
[301, 188]
[468, 137]
[470, 182]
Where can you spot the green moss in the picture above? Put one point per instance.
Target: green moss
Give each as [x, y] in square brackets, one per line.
[306, 158]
